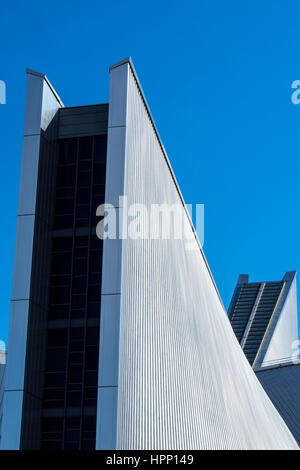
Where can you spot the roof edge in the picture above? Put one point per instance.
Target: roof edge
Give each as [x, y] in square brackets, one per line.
[44, 77]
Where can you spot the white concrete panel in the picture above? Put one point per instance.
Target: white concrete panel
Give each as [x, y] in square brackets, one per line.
[115, 165]
[23, 257]
[184, 382]
[17, 338]
[109, 340]
[118, 96]
[11, 422]
[286, 331]
[107, 418]
[29, 174]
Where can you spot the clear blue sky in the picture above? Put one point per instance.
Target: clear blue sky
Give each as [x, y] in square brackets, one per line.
[217, 76]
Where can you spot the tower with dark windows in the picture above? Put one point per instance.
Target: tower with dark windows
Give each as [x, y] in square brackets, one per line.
[263, 316]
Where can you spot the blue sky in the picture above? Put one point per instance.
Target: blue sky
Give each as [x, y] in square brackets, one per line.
[217, 76]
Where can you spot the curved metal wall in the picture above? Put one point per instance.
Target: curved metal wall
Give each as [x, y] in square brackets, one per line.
[184, 382]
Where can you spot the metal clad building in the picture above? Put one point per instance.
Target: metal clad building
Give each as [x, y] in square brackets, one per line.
[132, 348]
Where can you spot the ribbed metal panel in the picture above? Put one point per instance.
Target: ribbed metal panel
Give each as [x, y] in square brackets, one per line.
[22, 377]
[2, 372]
[283, 331]
[264, 318]
[184, 382]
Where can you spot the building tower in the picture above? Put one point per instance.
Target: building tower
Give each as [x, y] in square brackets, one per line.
[282, 384]
[263, 316]
[132, 348]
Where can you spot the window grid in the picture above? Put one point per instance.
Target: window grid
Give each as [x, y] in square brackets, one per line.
[71, 371]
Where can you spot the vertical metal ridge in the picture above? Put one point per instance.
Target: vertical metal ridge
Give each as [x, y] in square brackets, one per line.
[108, 374]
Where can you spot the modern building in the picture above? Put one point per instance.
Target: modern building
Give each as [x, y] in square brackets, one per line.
[122, 343]
[263, 316]
[282, 384]
[2, 376]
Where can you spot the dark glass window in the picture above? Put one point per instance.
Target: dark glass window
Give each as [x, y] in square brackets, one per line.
[63, 221]
[93, 309]
[84, 165]
[80, 266]
[63, 280]
[64, 206]
[73, 435]
[92, 336]
[94, 293]
[91, 358]
[55, 379]
[61, 264]
[60, 295]
[79, 284]
[56, 359]
[74, 399]
[51, 444]
[65, 192]
[90, 397]
[53, 424]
